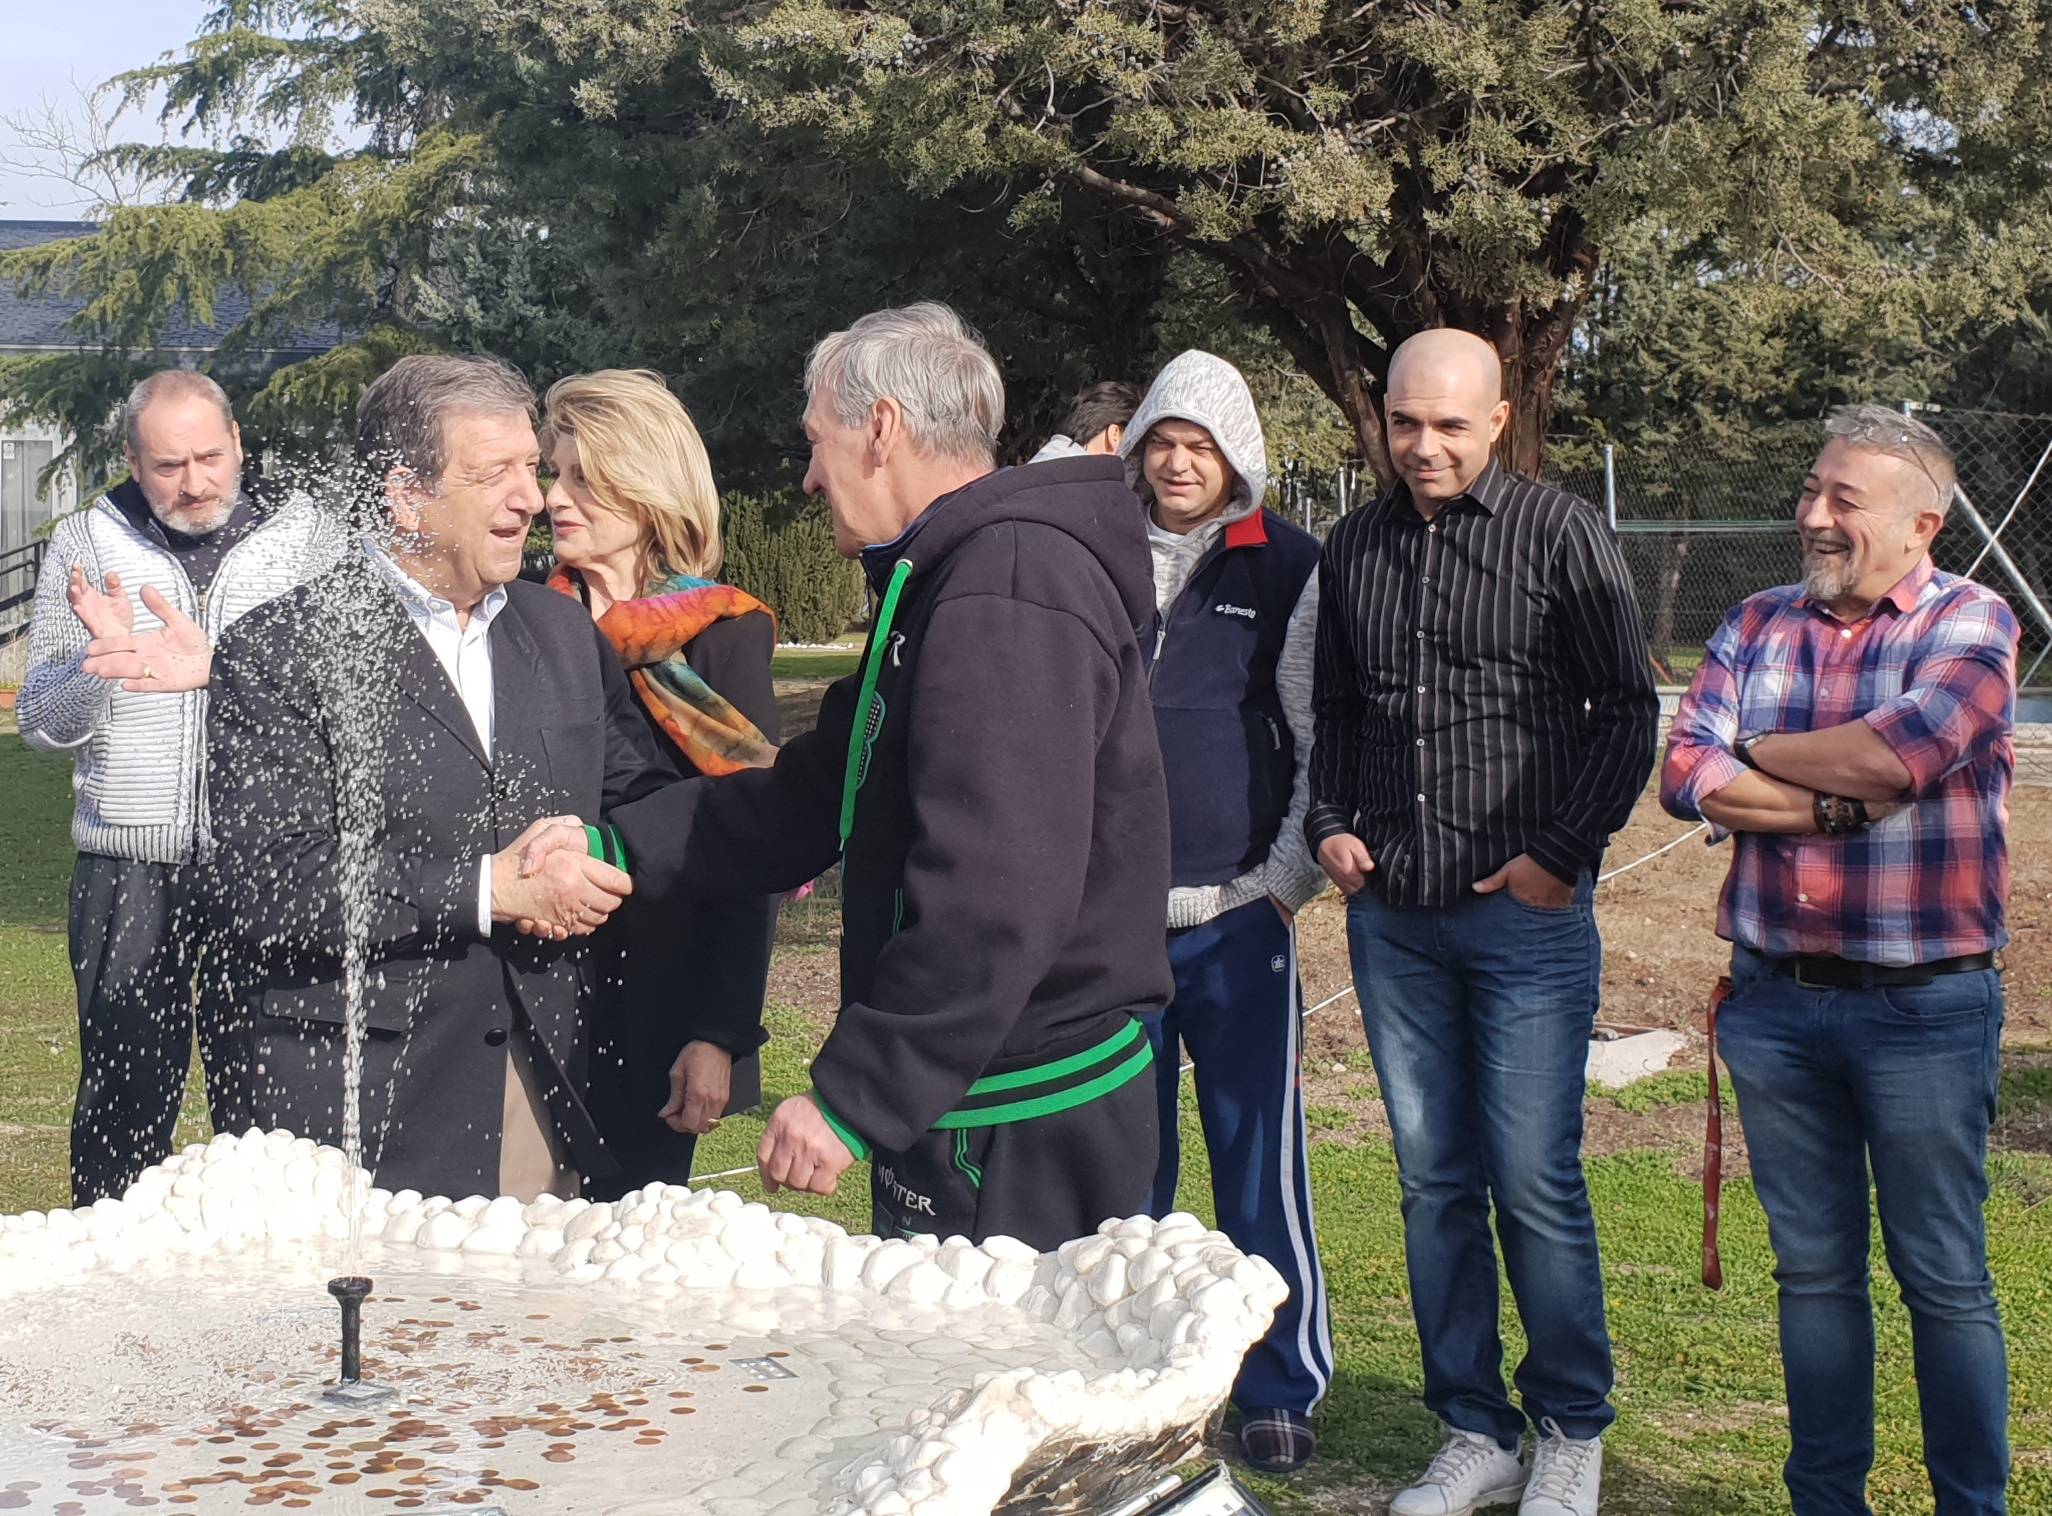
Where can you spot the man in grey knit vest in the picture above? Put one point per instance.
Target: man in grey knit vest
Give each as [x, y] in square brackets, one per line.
[122, 688]
[1236, 596]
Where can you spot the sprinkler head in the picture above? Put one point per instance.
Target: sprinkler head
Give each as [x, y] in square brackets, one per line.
[350, 1290]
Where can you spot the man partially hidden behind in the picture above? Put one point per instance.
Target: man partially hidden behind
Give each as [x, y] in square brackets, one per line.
[1236, 606]
[992, 786]
[1485, 720]
[120, 687]
[1096, 423]
[381, 738]
[1852, 733]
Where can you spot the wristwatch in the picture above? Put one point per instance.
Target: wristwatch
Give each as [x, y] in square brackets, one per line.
[1838, 815]
[1743, 748]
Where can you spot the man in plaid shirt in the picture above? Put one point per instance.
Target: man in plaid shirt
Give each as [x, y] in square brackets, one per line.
[1853, 733]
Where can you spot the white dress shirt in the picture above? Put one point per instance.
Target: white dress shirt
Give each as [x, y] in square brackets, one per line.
[464, 649]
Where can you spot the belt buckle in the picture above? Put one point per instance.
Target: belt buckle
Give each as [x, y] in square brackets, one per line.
[1803, 982]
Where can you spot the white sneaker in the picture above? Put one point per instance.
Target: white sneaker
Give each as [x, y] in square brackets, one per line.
[1566, 1475]
[1468, 1472]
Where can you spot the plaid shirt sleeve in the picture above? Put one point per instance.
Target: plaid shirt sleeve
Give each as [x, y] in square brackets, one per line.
[1699, 759]
[1960, 695]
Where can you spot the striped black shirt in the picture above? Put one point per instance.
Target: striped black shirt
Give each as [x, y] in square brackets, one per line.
[1482, 690]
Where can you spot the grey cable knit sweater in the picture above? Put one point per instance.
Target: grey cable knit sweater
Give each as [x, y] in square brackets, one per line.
[139, 760]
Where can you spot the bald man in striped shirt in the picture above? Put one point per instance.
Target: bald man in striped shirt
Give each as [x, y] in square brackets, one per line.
[1484, 716]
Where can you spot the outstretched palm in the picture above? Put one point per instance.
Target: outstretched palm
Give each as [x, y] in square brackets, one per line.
[103, 613]
[177, 656]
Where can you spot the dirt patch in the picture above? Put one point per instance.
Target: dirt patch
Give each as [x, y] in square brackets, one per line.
[2023, 1119]
[1661, 952]
[1661, 957]
[807, 979]
[798, 704]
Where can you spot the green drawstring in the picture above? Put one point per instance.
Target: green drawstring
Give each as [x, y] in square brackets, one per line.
[860, 738]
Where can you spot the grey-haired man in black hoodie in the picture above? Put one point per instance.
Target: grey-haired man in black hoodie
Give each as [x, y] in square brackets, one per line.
[992, 784]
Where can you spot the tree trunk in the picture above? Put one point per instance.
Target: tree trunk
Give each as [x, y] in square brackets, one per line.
[1530, 346]
[1360, 399]
[1522, 448]
[1673, 561]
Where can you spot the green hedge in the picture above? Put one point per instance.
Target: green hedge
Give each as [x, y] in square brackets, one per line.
[780, 548]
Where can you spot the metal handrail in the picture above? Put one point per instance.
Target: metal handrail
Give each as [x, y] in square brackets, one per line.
[28, 556]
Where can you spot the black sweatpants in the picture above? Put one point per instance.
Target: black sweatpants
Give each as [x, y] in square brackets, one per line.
[1042, 1181]
[137, 931]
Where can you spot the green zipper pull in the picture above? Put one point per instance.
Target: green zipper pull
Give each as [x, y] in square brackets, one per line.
[860, 737]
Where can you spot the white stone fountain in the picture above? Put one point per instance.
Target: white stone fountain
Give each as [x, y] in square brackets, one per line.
[676, 1351]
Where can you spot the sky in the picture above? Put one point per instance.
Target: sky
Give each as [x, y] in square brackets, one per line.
[46, 44]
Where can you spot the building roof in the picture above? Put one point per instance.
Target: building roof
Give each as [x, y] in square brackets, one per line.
[37, 323]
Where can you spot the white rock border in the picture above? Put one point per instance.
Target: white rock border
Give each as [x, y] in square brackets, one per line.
[1177, 1304]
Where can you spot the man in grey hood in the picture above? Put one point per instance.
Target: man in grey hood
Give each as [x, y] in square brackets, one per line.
[1236, 610]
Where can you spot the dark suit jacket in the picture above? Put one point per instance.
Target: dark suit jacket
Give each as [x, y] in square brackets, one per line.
[337, 744]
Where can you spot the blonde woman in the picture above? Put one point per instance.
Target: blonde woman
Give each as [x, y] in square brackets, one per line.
[637, 530]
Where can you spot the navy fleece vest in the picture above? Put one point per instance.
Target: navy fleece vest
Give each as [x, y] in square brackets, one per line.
[1228, 751]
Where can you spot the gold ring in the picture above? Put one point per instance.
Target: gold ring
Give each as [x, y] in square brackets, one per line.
[148, 672]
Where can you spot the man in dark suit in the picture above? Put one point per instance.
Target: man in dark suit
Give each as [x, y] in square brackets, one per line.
[379, 740]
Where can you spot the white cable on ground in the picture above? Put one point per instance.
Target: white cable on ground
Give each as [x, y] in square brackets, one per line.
[1329, 999]
[722, 1174]
[1666, 847]
[1700, 826]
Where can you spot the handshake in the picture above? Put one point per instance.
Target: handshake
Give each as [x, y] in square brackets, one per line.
[547, 885]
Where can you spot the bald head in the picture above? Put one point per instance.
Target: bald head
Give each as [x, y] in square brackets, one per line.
[1444, 409]
[1447, 358]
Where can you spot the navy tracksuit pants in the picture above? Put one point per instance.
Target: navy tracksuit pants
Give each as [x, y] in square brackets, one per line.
[1238, 1009]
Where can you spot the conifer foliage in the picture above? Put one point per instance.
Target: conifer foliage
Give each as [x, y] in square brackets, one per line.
[704, 188]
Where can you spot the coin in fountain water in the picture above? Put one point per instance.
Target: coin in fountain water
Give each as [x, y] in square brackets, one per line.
[569, 1357]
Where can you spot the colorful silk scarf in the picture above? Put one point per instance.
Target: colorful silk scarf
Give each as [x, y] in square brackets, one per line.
[650, 635]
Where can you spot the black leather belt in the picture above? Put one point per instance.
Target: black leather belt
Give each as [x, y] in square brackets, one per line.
[1822, 971]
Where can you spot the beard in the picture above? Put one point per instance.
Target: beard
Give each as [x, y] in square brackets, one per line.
[1828, 575]
[190, 521]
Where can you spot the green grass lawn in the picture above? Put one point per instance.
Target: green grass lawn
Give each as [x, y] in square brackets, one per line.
[815, 663]
[1701, 1431]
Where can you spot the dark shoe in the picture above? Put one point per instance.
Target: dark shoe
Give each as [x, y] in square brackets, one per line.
[1276, 1441]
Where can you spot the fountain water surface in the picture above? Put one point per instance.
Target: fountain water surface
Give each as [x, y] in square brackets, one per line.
[674, 1351]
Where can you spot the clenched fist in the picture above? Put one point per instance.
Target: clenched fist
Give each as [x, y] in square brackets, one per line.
[1346, 861]
[799, 1151]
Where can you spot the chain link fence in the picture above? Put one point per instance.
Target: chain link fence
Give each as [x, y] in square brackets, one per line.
[1704, 525]
[1700, 529]
[2000, 531]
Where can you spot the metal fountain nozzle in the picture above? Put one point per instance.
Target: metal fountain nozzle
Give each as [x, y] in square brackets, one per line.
[350, 1290]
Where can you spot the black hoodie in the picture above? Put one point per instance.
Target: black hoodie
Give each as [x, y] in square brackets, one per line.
[1007, 861]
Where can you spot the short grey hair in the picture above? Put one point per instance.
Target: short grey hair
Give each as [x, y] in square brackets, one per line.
[401, 419]
[169, 384]
[931, 362]
[1903, 436]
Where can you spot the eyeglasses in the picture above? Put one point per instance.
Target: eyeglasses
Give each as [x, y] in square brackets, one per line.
[1875, 433]
[1905, 438]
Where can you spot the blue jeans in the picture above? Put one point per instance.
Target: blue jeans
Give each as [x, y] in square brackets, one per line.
[1478, 1016]
[1831, 1082]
